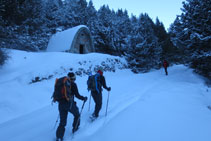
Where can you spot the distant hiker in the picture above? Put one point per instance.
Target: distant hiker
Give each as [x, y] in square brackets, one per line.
[165, 65]
[95, 84]
[65, 90]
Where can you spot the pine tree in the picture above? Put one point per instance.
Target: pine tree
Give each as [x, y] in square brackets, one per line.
[92, 17]
[145, 52]
[192, 28]
[191, 32]
[121, 31]
[103, 35]
[79, 9]
[53, 14]
[164, 41]
[68, 19]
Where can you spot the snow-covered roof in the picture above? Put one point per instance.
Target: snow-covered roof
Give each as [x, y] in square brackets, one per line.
[61, 41]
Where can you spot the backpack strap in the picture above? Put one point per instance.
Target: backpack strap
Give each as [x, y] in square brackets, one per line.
[65, 89]
[56, 81]
[96, 82]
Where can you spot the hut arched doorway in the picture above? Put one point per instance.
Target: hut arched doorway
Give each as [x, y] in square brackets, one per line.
[81, 49]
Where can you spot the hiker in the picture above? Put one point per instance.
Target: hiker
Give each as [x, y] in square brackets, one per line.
[165, 65]
[96, 92]
[67, 104]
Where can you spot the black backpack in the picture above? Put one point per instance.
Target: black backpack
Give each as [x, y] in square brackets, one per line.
[93, 82]
[59, 89]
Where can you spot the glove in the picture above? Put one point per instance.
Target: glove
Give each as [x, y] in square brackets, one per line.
[85, 99]
[54, 100]
[109, 88]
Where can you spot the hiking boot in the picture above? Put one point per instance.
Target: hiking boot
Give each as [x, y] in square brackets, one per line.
[74, 130]
[59, 139]
[94, 115]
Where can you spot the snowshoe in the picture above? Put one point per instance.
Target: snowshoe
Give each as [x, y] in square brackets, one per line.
[59, 139]
[93, 118]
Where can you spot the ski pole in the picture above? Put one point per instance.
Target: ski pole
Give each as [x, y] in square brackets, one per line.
[80, 114]
[107, 104]
[82, 107]
[56, 121]
[89, 101]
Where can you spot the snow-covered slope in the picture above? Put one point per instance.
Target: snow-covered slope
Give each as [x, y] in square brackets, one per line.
[21, 95]
[148, 107]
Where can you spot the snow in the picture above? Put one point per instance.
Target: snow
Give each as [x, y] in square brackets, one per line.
[62, 41]
[148, 107]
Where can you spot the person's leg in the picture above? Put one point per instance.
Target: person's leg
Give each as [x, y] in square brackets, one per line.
[63, 121]
[98, 102]
[166, 71]
[76, 122]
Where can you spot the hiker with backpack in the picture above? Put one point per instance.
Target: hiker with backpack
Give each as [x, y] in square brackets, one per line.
[65, 90]
[95, 84]
[165, 65]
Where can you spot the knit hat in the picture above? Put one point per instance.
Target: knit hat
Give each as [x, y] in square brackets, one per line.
[71, 75]
[100, 72]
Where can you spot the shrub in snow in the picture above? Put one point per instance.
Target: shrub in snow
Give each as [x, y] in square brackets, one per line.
[203, 67]
[85, 68]
[3, 57]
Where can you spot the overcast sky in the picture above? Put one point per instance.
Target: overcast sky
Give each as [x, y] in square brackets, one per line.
[165, 10]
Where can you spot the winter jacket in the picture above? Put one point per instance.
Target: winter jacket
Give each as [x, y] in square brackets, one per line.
[71, 90]
[102, 83]
[165, 64]
[74, 91]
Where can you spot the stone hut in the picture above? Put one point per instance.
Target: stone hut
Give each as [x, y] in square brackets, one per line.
[75, 40]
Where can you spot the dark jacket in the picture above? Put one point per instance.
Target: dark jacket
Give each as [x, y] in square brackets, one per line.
[102, 83]
[74, 91]
[71, 90]
[165, 64]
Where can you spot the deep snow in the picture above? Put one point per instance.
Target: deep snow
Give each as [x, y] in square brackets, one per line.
[147, 107]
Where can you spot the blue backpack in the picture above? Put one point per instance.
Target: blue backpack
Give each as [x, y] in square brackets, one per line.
[93, 83]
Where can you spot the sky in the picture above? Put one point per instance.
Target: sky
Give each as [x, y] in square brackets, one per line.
[142, 107]
[165, 10]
